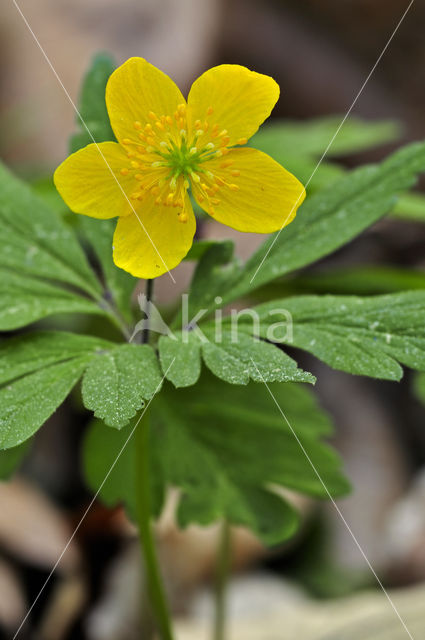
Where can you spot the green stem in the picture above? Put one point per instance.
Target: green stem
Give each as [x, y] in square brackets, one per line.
[143, 499]
[149, 296]
[223, 570]
[151, 564]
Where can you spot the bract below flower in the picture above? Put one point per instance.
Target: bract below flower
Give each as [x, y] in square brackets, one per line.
[166, 146]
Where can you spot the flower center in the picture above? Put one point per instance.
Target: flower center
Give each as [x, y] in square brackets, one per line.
[165, 162]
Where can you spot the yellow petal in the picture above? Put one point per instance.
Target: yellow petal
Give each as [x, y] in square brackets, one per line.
[231, 98]
[255, 193]
[91, 183]
[136, 92]
[154, 241]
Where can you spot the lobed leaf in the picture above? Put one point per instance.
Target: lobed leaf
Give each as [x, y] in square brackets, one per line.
[234, 359]
[365, 336]
[118, 380]
[225, 447]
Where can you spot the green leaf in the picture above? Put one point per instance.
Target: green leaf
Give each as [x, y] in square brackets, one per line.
[118, 380]
[38, 370]
[28, 353]
[312, 137]
[24, 300]
[235, 358]
[10, 459]
[364, 280]
[372, 280]
[26, 403]
[199, 247]
[246, 358]
[225, 447]
[329, 219]
[119, 284]
[365, 336]
[111, 453]
[92, 106]
[181, 358]
[215, 272]
[35, 241]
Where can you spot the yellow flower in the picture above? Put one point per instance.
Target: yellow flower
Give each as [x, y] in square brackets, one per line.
[166, 145]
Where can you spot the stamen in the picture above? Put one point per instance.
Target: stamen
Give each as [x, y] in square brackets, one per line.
[160, 125]
[152, 115]
[124, 171]
[210, 111]
[235, 173]
[242, 140]
[181, 109]
[137, 125]
[234, 187]
[135, 164]
[126, 141]
[183, 217]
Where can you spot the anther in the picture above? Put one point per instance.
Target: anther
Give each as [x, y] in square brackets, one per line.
[183, 216]
[186, 184]
[152, 115]
[170, 198]
[234, 187]
[198, 124]
[235, 173]
[139, 176]
[225, 141]
[137, 125]
[169, 120]
[199, 133]
[193, 150]
[210, 146]
[181, 109]
[126, 141]
[124, 171]
[226, 164]
[135, 164]
[210, 110]
[160, 125]
[242, 140]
